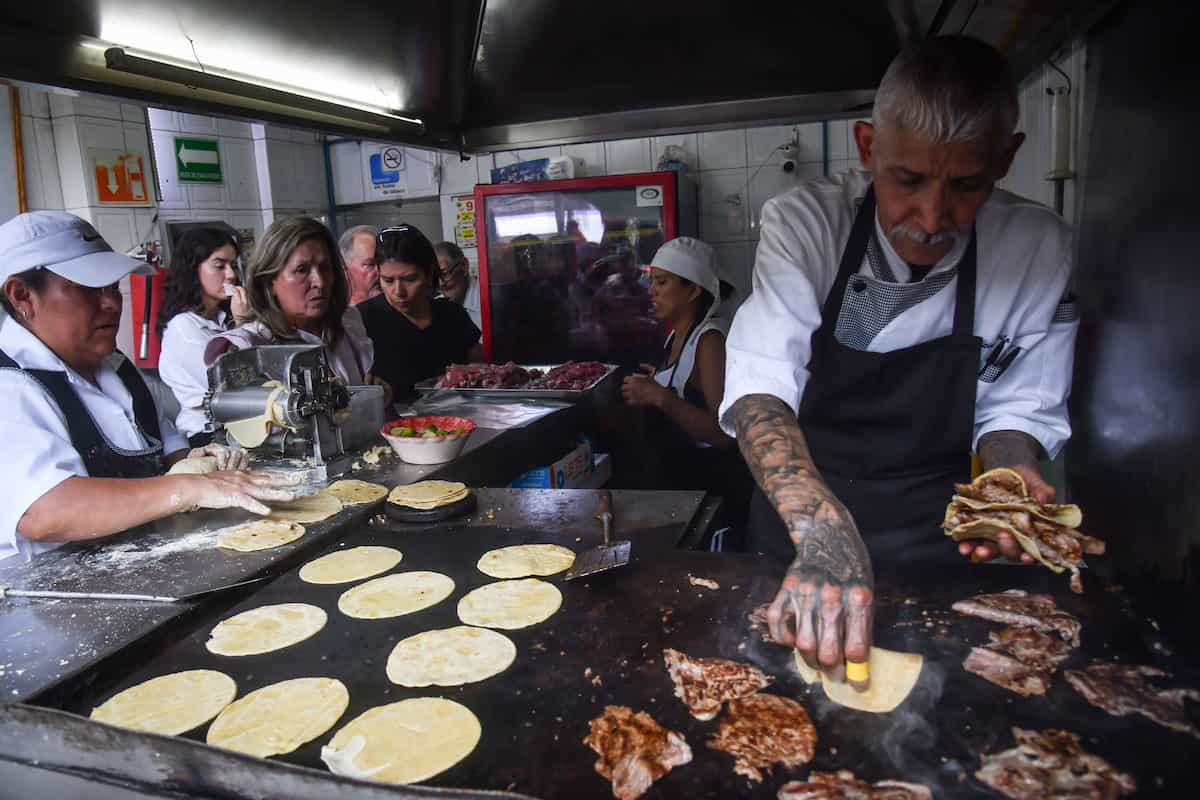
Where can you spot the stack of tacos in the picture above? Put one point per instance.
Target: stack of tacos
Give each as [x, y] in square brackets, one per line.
[998, 501]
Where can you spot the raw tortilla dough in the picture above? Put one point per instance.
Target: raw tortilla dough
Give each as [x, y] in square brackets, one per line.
[169, 704]
[450, 657]
[521, 560]
[395, 595]
[428, 495]
[310, 508]
[200, 465]
[352, 564]
[353, 492]
[404, 742]
[277, 719]
[893, 676]
[261, 534]
[253, 431]
[266, 628]
[510, 604]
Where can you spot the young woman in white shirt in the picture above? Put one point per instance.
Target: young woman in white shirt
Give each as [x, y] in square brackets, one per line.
[201, 300]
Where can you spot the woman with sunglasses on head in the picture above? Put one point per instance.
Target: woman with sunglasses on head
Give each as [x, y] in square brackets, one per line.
[87, 443]
[416, 334]
[298, 293]
[202, 299]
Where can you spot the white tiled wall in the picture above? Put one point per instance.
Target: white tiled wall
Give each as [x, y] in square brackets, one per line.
[736, 171]
[267, 171]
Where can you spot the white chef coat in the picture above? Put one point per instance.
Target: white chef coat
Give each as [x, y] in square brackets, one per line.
[471, 302]
[350, 360]
[181, 365]
[38, 452]
[1023, 267]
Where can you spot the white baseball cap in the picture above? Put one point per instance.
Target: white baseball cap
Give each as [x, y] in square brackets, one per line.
[692, 259]
[64, 244]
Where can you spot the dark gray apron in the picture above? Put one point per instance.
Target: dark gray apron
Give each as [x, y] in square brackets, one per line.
[890, 432]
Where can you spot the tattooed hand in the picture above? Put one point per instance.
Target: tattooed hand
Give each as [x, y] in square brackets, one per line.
[825, 603]
[1019, 452]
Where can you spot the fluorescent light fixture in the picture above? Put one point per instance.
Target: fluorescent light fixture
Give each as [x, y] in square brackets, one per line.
[117, 58]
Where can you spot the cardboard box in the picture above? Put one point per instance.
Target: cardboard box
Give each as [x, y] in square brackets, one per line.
[569, 472]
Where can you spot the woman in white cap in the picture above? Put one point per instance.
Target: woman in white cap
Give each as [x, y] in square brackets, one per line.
[87, 445]
[684, 390]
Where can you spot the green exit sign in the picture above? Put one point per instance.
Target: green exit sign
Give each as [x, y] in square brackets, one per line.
[197, 160]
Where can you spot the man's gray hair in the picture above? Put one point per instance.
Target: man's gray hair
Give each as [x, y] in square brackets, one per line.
[346, 240]
[451, 251]
[949, 89]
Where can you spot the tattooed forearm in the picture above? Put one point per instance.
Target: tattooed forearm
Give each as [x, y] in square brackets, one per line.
[1008, 449]
[820, 525]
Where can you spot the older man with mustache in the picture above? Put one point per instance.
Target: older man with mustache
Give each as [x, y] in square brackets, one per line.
[900, 318]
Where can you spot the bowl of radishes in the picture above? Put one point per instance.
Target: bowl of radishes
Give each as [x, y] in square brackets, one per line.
[427, 440]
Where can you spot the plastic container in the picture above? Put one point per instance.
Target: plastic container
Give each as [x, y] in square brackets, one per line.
[428, 449]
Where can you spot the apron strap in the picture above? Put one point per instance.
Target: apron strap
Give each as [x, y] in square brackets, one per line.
[964, 300]
[144, 409]
[852, 256]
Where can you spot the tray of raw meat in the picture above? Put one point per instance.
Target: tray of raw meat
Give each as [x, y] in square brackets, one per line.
[570, 381]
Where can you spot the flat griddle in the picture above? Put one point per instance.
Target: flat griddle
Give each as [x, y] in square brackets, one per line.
[616, 624]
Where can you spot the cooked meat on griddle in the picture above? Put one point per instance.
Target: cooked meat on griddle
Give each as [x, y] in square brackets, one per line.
[703, 684]
[1052, 764]
[1018, 659]
[1122, 689]
[758, 622]
[762, 730]
[842, 785]
[634, 751]
[1018, 607]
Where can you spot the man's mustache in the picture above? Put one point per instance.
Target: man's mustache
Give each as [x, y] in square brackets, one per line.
[921, 237]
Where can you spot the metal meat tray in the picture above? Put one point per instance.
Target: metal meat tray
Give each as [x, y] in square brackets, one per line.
[427, 387]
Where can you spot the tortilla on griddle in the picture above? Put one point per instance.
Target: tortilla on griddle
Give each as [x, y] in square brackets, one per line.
[893, 676]
[428, 495]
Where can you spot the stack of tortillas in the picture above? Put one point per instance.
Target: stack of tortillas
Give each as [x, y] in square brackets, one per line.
[428, 495]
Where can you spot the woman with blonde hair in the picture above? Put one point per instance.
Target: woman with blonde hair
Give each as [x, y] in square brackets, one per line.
[298, 293]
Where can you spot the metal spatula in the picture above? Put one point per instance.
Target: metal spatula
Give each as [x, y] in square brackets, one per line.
[608, 555]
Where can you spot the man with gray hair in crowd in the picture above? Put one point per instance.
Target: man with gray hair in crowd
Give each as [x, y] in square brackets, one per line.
[358, 253]
[900, 318]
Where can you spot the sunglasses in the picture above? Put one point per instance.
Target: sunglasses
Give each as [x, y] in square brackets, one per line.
[394, 232]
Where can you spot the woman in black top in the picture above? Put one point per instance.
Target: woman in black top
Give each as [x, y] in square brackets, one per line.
[416, 335]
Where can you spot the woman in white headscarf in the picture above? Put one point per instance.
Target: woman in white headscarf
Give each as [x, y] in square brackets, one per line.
[684, 390]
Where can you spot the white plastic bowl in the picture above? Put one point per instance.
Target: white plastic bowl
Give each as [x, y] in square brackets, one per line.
[431, 449]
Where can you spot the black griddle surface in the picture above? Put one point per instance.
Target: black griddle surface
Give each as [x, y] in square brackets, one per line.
[535, 714]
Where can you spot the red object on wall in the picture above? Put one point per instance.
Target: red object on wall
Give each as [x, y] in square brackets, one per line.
[137, 290]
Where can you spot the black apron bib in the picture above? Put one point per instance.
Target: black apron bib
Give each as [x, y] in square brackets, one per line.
[890, 432]
[100, 458]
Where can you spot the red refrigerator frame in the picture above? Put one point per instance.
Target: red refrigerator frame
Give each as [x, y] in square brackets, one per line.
[666, 181]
